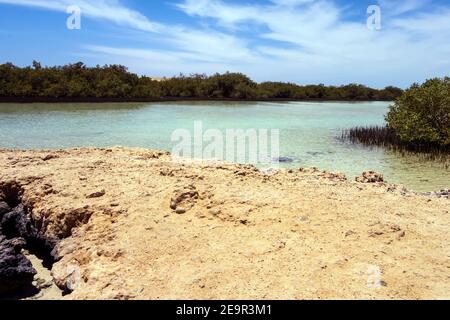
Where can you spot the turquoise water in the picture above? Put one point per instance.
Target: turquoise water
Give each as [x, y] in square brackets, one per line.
[308, 132]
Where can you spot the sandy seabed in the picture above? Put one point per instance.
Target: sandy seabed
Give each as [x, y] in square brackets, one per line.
[133, 224]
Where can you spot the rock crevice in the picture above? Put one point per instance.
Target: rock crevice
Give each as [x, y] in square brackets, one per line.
[18, 231]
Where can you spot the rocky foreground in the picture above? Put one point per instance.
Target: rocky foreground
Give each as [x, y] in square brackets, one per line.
[132, 224]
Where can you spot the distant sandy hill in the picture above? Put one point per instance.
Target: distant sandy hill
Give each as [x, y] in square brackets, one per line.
[159, 78]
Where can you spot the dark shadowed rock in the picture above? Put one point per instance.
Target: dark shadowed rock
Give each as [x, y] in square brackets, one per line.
[284, 160]
[15, 223]
[49, 157]
[440, 194]
[18, 224]
[97, 194]
[18, 231]
[4, 208]
[16, 271]
[180, 210]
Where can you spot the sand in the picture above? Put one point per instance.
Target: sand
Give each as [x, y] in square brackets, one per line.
[133, 224]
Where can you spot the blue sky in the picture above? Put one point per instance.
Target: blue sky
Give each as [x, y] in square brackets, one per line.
[302, 41]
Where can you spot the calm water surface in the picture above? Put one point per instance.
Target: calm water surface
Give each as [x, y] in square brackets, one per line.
[308, 132]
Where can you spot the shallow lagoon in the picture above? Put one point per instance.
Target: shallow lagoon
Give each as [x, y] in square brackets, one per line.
[308, 132]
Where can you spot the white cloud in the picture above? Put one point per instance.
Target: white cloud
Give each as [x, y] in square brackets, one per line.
[429, 24]
[110, 10]
[291, 3]
[321, 41]
[155, 62]
[46, 4]
[305, 41]
[398, 7]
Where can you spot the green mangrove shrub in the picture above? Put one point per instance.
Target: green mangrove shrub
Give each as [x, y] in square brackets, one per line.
[421, 115]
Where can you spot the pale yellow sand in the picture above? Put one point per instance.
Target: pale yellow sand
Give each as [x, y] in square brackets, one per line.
[300, 234]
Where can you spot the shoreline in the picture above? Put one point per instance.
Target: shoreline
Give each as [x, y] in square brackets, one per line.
[126, 223]
[25, 100]
[430, 192]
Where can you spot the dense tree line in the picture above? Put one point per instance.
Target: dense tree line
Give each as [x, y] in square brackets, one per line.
[116, 82]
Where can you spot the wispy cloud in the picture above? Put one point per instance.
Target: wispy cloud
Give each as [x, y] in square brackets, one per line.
[324, 42]
[397, 7]
[306, 41]
[111, 10]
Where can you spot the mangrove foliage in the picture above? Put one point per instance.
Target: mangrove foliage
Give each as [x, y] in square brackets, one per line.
[116, 82]
[418, 121]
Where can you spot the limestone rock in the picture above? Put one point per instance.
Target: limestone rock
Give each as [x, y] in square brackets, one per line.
[184, 199]
[370, 177]
[67, 277]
